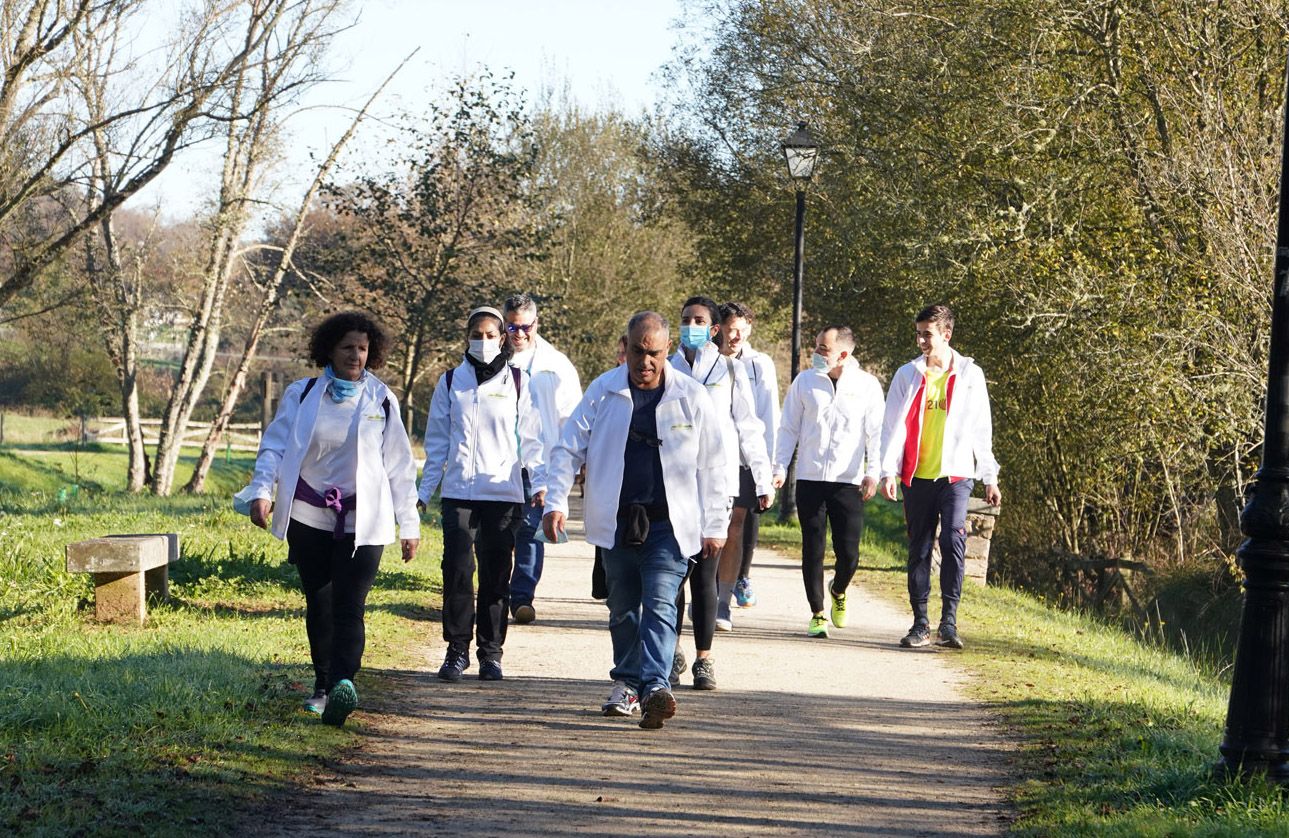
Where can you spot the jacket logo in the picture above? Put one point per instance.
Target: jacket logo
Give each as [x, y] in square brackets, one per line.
[375, 417]
[498, 396]
[683, 426]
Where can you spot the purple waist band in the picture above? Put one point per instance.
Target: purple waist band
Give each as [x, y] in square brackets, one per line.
[331, 499]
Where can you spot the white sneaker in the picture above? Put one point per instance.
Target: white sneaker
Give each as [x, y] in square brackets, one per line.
[316, 703]
[724, 616]
[622, 701]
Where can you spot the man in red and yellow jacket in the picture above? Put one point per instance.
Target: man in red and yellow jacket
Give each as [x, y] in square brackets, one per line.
[937, 439]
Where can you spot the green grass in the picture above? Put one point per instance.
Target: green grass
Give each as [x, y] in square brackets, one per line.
[1117, 736]
[177, 726]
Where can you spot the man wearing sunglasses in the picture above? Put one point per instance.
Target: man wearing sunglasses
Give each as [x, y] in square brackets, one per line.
[556, 390]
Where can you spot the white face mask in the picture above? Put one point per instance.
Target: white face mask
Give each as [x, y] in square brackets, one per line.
[820, 362]
[484, 351]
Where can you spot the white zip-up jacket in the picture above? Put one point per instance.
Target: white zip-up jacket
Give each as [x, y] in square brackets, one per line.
[968, 450]
[385, 478]
[742, 433]
[479, 437]
[765, 393]
[692, 457]
[555, 386]
[836, 431]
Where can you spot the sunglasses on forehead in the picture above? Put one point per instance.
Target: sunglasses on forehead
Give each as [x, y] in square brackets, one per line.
[520, 327]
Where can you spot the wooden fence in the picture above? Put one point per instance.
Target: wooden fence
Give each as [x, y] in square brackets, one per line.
[244, 436]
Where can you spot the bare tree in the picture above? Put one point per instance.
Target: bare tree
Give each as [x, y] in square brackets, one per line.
[286, 38]
[152, 109]
[273, 290]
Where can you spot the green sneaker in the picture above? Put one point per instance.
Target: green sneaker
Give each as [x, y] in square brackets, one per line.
[838, 609]
[341, 701]
[818, 626]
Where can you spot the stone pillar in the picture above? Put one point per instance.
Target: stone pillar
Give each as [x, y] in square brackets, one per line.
[981, 518]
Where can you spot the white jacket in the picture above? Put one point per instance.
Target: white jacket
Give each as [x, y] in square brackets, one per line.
[479, 437]
[765, 393]
[555, 385]
[836, 431]
[968, 450]
[385, 479]
[742, 433]
[692, 456]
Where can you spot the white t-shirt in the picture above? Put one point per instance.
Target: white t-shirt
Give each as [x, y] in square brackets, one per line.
[331, 460]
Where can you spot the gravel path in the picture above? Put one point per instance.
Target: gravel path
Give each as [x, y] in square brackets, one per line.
[850, 735]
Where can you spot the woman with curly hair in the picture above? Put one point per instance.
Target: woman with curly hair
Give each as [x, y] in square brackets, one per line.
[338, 460]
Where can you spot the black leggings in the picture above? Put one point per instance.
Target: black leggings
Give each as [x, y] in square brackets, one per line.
[702, 585]
[483, 530]
[840, 506]
[751, 533]
[336, 579]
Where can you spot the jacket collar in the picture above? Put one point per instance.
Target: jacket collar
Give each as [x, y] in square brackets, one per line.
[957, 365]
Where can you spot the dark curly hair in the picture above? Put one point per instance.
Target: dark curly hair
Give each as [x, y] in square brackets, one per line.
[330, 332]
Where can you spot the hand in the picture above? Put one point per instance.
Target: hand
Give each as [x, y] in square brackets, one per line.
[993, 495]
[409, 548]
[778, 481]
[868, 488]
[260, 509]
[420, 506]
[889, 487]
[764, 502]
[712, 547]
[553, 525]
[538, 499]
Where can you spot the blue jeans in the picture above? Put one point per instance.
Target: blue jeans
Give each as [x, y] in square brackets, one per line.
[643, 582]
[529, 553]
[928, 503]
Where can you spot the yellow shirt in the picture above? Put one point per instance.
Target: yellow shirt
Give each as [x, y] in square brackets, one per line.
[934, 412]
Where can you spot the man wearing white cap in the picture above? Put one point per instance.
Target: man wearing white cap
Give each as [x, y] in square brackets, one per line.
[482, 432]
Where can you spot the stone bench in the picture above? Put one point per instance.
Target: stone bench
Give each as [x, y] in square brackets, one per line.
[126, 570]
[981, 518]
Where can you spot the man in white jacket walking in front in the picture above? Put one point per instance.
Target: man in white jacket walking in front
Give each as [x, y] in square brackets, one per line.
[645, 420]
[832, 417]
[937, 439]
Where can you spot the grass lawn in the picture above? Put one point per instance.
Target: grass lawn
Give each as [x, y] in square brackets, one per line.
[179, 726]
[1117, 737]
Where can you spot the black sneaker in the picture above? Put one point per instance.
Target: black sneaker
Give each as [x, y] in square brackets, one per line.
[489, 670]
[658, 707]
[947, 636]
[456, 662]
[919, 635]
[704, 674]
[678, 667]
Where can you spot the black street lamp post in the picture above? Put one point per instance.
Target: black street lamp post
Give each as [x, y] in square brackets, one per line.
[800, 151]
[1257, 718]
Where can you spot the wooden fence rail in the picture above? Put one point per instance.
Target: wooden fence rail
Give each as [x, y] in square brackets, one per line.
[243, 436]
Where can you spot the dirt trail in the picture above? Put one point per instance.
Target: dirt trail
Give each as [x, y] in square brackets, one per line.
[850, 735]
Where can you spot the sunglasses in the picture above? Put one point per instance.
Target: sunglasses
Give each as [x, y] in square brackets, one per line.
[520, 327]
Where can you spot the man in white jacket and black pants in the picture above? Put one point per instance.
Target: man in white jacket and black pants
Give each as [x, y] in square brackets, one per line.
[937, 439]
[648, 421]
[832, 417]
[481, 432]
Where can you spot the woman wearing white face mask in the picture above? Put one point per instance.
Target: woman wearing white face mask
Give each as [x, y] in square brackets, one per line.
[482, 431]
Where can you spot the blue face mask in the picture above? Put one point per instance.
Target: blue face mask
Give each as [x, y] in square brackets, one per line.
[693, 337]
[820, 362]
[339, 388]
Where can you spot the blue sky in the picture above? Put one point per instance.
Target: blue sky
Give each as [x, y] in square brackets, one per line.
[608, 52]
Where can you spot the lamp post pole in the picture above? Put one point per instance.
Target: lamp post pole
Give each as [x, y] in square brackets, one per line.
[1257, 719]
[801, 152]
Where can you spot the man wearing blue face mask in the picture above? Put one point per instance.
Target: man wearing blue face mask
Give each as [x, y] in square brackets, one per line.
[832, 417]
[743, 440]
[482, 432]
